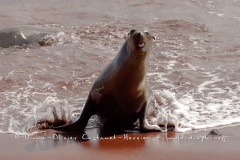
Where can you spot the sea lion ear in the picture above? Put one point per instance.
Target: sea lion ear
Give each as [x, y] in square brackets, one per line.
[132, 31]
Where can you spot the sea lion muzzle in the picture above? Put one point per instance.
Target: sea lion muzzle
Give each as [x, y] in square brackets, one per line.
[138, 39]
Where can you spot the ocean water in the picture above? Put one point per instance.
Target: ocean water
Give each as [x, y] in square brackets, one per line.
[194, 67]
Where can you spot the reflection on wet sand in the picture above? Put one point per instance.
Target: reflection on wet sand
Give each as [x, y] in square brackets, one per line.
[96, 137]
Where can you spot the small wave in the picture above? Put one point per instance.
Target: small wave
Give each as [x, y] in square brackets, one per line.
[186, 113]
[50, 112]
[183, 113]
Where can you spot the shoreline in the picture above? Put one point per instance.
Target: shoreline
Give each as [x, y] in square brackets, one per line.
[96, 143]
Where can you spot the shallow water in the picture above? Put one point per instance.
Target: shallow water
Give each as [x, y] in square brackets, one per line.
[195, 57]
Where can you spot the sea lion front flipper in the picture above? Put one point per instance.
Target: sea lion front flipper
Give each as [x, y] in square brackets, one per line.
[88, 111]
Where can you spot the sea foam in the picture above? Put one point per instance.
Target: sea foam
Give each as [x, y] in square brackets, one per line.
[51, 112]
[186, 114]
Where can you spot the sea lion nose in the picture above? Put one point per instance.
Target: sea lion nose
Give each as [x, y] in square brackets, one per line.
[137, 34]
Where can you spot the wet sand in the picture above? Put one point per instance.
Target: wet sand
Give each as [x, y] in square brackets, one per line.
[191, 145]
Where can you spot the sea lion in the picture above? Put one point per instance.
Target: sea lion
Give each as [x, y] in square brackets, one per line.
[25, 36]
[120, 95]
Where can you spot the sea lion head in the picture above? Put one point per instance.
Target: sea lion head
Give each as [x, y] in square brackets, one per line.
[140, 40]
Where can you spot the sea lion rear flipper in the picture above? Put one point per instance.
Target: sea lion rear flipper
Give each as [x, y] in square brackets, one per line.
[88, 111]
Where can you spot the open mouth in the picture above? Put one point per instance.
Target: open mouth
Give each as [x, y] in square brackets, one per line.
[139, 40]
[141, 45]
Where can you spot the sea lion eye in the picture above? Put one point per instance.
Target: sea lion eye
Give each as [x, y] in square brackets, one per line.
[132, 31]
[146, 32]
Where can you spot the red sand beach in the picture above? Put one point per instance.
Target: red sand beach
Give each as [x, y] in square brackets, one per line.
[50, 145]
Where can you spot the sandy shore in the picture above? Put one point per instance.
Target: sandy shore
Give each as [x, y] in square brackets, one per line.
[96, 144]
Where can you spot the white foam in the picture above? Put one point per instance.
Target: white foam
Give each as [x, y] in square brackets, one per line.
[188, 114]
[220, 14]
[52, 110]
